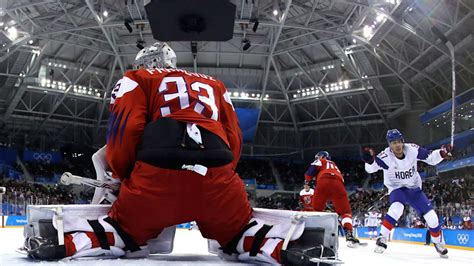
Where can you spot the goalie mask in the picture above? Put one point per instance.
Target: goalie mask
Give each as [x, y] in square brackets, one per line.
[157, 55]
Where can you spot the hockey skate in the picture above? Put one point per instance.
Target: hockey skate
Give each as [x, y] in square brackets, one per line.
[441, 249]
[351, 241]
[380, 244]
[40, 248]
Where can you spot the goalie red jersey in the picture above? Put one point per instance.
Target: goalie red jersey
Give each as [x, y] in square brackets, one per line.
[146, 95]
[145, 98]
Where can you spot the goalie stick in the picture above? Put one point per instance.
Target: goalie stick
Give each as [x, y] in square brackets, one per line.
[68, 179]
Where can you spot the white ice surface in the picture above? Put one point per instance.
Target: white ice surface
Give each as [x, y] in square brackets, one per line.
[190, 249]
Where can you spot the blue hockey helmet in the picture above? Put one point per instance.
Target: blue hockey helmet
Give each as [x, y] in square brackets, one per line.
[394, 134]
[323, 154]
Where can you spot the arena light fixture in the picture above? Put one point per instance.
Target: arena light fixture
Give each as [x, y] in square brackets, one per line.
[255, 25]
[105, 13]
[275, 8]
[54, 85]
[140, 44]
[244, 95]
[367, 32]
[246, 45]
[329, 88]
[127, 22]
[12, 33]
[380, 17]
[194, 48]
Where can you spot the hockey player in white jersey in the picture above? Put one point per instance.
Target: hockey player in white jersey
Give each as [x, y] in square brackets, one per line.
[399, 165]
[372, 221]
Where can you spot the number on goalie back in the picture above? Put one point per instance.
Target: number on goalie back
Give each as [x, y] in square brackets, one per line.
[205, 105]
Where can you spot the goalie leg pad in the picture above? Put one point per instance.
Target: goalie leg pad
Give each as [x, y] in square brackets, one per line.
[102, 225]
[47, 222]
[261, 242]
[270, 231]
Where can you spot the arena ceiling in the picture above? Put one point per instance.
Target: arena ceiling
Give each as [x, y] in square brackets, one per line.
[324, 73]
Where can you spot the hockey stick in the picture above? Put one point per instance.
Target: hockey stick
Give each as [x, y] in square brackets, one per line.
[450, 46]
[68, 179]
[371, 205]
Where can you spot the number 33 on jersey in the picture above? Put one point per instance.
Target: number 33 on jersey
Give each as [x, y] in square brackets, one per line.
[146, 95]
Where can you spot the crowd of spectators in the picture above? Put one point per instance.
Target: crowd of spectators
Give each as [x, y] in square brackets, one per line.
[44, 170]
[19, 194]
[42, 188]
[352, 171]
[450, 196]
[361, 200]
[291, 174]
[81, 166]
[279, 202]
[467, 151]
[256, 169]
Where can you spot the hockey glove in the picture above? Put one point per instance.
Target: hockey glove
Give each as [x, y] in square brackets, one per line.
[446, 151]
[368, 155]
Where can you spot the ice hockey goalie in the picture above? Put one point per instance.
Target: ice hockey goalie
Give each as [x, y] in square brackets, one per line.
[173, 143]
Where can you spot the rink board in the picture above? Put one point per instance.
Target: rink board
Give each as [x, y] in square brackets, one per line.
[462, 239]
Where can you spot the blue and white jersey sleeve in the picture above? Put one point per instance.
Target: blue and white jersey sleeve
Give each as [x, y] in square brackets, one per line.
[372, 168]
[428, 156]
[377, 165]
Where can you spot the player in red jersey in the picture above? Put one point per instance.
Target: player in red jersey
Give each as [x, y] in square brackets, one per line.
[330, 186]
[306, 198]
[169, 127]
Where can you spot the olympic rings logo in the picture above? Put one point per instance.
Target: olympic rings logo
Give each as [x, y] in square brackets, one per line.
[45, 157]
[462, 238]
